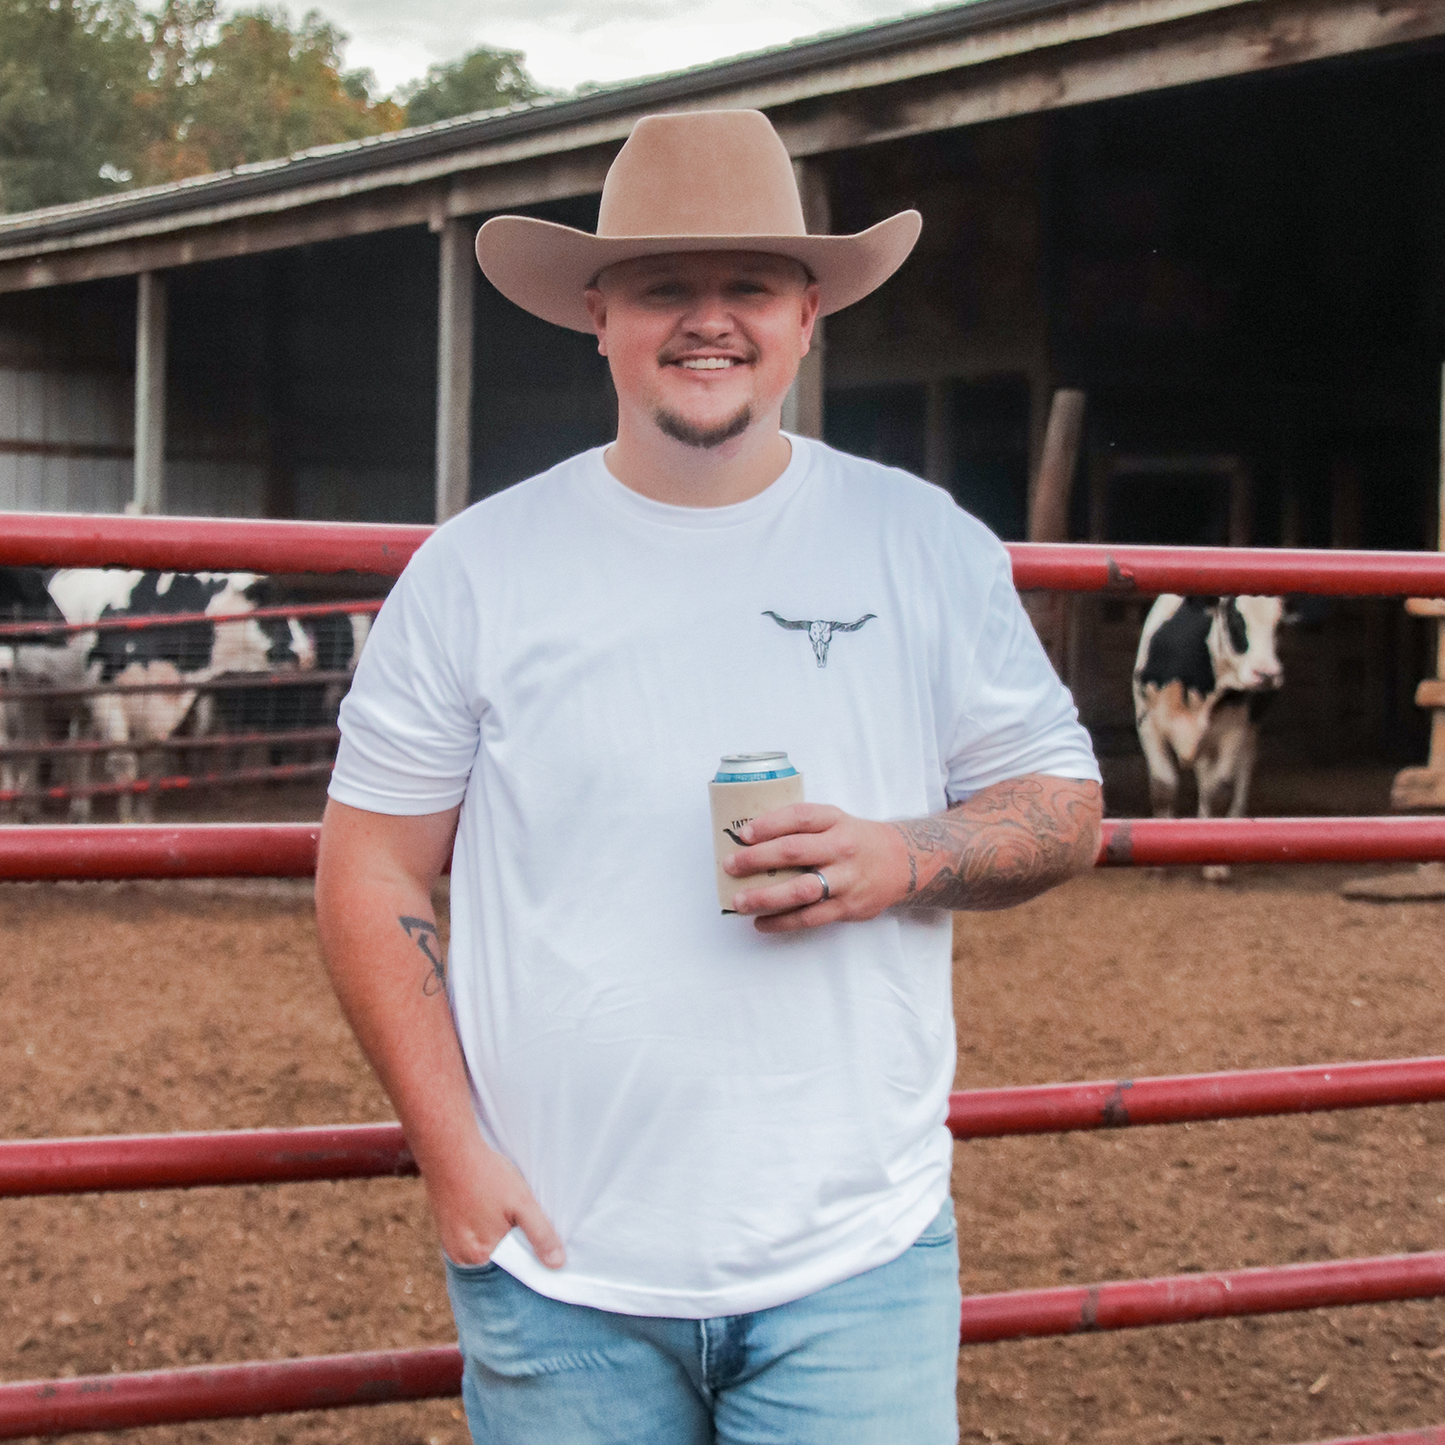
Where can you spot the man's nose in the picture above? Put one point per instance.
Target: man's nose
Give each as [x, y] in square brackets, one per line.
[708, 315]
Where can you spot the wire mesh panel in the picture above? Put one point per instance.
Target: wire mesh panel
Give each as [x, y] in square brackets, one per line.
[126, 686]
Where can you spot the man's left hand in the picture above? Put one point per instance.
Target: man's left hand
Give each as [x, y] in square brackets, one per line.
[866, 865]
[1005, 844]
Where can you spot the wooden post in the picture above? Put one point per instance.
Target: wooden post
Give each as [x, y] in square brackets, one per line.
[938, 441]
[1053, 486]
[803, 405]
[148, 492]
[1424, 788]
[1049, 521]
[455, 291]
[1437, 723]
[1437, 727]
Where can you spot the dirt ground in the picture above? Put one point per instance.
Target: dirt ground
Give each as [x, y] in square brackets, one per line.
[129, 1008]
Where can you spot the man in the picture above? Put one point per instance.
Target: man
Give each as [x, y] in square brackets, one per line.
[691, 1171]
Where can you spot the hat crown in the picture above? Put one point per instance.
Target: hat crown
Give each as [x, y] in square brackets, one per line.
[702, 173]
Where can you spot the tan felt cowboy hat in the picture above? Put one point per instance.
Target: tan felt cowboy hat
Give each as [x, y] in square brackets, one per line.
[711, 180]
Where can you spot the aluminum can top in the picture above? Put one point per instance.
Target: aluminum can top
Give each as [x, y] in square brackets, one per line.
[754, 767]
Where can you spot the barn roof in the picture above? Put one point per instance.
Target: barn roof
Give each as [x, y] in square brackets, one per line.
[935, 70]
[454, 139]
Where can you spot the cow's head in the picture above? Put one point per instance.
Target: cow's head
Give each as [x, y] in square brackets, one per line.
[1242, 644]
[255, 645]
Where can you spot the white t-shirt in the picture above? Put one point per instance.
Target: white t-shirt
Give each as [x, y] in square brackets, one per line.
[716, 1121]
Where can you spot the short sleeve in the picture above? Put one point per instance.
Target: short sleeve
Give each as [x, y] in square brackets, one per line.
[409, 725]
[1014, 716]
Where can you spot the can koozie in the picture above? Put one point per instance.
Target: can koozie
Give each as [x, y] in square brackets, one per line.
[747, 785]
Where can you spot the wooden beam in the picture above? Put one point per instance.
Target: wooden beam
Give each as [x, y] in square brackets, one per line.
[545, 178]
[1092, 60]
[803, 405]
[1418, 789]
[1054, 485]
[1437, 722]
[149, 488]
[939, 443]
[455, 293]
[247, 236]
[1053, 613]
[1424, 788]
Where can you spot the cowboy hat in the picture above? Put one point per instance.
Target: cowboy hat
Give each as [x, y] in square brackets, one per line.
[710, 180]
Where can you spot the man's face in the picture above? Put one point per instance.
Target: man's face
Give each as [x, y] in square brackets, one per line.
[704, 344]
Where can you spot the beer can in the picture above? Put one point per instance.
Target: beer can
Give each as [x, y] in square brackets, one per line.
[745, 786]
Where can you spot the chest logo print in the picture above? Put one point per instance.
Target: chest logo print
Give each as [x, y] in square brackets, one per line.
[820, 634]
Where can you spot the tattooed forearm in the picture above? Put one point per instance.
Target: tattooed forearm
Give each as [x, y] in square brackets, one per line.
[423, 933]
[1003, 846]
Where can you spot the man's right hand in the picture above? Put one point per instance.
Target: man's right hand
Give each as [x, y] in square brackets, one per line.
[477, 1203]
[374, 880]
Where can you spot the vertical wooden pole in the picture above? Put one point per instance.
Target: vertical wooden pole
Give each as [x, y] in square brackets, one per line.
[148, 491]
[1437, 725]
[1053, 613]
[1424, 788]
[1054, 483]
[803, 406]
[455, 291]
[938, 438]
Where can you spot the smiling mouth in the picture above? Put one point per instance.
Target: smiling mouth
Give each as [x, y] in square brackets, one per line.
[709, 363]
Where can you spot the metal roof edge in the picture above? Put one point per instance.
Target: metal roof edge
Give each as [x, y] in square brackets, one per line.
[406, 148]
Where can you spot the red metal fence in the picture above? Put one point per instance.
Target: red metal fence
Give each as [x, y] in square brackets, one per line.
[383, 549]
[55, 1166]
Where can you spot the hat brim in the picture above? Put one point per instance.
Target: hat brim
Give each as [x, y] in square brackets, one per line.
[545, 268]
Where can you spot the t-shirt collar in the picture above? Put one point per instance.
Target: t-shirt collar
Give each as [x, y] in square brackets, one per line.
[622, 500]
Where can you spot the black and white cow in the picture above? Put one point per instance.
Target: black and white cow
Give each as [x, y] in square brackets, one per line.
[190, 652]
[1205, 670]
[25, 664]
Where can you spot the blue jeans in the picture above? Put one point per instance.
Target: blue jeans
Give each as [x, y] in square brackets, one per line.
[871, 1360]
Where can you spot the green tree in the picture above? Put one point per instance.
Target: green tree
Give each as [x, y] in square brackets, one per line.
[70, 121]
[253, 88]
[181, 36]
[481, 80]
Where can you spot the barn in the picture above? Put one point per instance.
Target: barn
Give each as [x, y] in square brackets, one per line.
[1217, 219]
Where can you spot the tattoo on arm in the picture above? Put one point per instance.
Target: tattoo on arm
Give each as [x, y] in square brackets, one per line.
[1005, 845]
[423, 933]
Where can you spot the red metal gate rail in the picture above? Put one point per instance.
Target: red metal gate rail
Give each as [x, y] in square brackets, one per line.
[226, 544]
[154, 621]
[100, 1402]
[175, 783]
[366, 1151]
[1433, 1435]
[1130, 1304]
[226, 1392]
[188, 743]
[288, 850]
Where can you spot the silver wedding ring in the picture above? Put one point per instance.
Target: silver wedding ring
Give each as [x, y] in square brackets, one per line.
[827, 892]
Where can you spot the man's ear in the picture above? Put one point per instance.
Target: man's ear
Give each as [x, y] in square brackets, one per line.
[597, 310]
[809, 315]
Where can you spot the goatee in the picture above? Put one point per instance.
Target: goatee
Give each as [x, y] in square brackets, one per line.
[705, 438]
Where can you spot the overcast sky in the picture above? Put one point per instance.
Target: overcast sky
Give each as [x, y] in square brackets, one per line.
[567, 42]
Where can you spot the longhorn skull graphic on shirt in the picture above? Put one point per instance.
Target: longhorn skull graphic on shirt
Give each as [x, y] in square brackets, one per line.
[820, 634]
